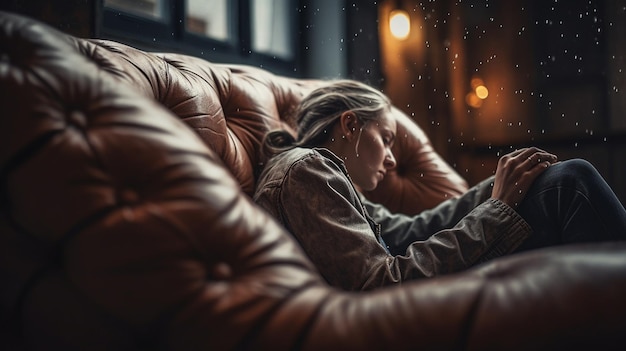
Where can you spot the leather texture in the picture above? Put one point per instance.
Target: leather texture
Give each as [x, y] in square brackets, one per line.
[121, 230]
[232, 107]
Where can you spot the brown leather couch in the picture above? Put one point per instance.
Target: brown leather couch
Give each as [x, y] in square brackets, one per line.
[126, 223]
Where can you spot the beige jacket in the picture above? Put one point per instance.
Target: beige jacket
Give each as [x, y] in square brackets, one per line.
[358, 245]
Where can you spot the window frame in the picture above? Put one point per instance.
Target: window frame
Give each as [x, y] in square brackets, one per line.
[170, 35]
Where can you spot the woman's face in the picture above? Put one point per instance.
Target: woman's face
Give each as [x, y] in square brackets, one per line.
[372, 156]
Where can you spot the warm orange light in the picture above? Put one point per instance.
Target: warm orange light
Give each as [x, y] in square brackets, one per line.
[481, 92]
[399, 24]
[476, 81]
[472, 100]
[478, 94]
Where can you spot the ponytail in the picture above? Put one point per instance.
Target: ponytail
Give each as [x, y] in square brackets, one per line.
[276, 142]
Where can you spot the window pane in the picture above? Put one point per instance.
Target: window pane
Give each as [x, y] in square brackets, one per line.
[146, 8]
[271, 27]
[209, 18]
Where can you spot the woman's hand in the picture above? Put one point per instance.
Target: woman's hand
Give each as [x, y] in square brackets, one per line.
[517, 171]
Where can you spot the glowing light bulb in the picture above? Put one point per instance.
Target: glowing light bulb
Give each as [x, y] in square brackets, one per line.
[482, 92]
[399, 24]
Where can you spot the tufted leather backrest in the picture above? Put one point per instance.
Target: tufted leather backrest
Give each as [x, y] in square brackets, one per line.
[120, 230]
[231, 108]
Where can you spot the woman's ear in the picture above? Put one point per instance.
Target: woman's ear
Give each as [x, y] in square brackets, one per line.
[349, 124]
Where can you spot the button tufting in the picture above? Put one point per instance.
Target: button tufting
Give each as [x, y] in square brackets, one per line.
[221, 270]
[128, 196]
[77, 118]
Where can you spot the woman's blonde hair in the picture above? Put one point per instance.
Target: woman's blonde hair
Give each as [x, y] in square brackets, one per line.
[321, 109]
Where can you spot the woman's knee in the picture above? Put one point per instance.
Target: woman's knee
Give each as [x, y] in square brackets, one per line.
[578, 167]
[573, 172]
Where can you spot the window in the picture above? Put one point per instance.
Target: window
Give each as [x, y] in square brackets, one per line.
[271, 28]
[146, 8]
[256, 32]
[209, 18]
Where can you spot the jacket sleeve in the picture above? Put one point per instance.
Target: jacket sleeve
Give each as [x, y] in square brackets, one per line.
[490, 230]
[319, 206]
[399, 230]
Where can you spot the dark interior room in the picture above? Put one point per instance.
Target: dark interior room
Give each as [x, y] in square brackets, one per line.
[312, 175]
[553, 70]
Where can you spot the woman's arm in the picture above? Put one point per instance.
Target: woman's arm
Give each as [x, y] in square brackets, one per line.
[491, 230]
[400, 230]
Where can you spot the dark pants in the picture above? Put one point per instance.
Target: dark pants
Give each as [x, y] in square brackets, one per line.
[571, 203]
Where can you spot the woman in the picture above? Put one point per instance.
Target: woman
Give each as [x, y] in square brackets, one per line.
[346, 131]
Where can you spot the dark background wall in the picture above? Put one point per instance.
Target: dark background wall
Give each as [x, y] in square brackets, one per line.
[77, 17]
[554, 69]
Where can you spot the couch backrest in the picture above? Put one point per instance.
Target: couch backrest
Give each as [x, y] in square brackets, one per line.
[231, 107]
